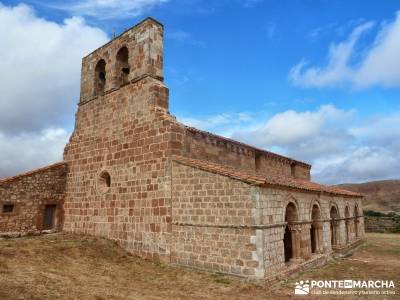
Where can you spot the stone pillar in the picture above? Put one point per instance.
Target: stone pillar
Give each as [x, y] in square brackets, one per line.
[352, 230]
[347, 236]
[341, 233]
[326, 236]
[335, 229]
[356, 228]
[295, 229]
[305, 241]
[361, 227]
[318, 225]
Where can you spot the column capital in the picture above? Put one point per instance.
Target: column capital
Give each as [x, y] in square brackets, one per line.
[318, 224]
[295, 227]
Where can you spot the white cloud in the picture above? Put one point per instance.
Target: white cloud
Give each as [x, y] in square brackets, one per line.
[341, 146]
[223, 124]
[40, 67]
[377, 64]
[358, 164]
[109, 9]
[27, 151]
[293, 128]
[39, 84]
[381, 129]
[337, 69]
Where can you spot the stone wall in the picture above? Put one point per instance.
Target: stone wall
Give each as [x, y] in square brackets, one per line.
[122, 182]
[125, 135]
[119, 183]
[230, 226]
[273, 203]
[382, 224]
[145, 57]
[28, 194]
[212, 222]
[203, 145]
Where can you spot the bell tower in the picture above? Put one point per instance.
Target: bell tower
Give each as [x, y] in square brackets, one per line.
[135, 54]
[118, 182]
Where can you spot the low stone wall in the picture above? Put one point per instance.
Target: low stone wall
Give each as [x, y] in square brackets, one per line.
[226, 250]
[24, 200]
[382, 224]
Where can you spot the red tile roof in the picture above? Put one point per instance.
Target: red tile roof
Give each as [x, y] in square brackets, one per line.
[280, 181]
[43, 169]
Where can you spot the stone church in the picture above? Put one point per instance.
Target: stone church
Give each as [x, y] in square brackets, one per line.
[168, 192]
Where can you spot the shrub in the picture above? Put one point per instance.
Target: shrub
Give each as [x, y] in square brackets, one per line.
[372, 213]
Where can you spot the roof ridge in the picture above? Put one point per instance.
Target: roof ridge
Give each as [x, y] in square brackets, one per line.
[38, 170]
[247, 145]
[247, 177]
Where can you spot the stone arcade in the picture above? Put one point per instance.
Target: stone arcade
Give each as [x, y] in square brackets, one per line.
[168, 192]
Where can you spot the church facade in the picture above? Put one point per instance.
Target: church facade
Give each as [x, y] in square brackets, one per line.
[165, 191]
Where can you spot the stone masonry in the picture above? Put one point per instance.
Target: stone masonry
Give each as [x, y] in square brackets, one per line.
[24, 198]
[168, 192]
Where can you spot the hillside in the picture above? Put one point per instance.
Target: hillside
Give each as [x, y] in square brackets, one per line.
[64, 266]
[382, 196]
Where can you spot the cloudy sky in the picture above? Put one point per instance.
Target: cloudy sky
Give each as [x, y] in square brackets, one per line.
[315, 80]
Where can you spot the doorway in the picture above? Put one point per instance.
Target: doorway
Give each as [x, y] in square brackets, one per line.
[49, 217]
[315, 229]
[289, 237]
[313, 239]
[287, 243]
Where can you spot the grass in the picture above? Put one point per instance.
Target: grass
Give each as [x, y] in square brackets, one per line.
[64, 266]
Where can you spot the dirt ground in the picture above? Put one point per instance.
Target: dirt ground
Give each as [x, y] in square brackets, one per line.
[63, 266]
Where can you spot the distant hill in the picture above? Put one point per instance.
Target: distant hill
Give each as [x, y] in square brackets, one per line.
[382, 196]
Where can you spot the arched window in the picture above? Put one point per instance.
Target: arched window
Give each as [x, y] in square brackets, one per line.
[122, 66]
[100, 77]
[104, 181]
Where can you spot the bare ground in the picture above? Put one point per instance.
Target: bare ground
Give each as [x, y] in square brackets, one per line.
[63, 266]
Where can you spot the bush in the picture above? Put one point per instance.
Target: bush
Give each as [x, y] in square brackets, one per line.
[372, 213]
[397, 227]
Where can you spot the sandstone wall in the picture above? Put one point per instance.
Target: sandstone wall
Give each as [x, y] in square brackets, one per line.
[213, 218]
[119, 180]
[202, 145]
[226, 225]
[125, 134]
[273, 203]
[145, 47]
[123, 184]
[29, 194]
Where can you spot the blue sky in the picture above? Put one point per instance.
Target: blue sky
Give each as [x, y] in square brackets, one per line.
[315, 80]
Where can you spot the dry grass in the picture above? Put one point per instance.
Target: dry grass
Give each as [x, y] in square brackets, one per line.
[382, 196]
[79, 267]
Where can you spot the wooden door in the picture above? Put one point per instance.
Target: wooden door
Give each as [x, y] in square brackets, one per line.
[49, 216]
